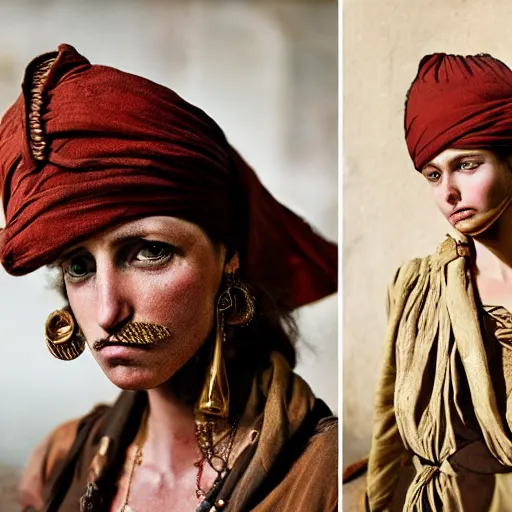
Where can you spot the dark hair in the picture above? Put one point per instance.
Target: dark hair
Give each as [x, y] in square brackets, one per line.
[503, 153]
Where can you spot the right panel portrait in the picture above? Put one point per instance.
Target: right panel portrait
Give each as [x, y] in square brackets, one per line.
[427, 189]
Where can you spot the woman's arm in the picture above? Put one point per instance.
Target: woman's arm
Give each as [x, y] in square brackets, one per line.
[42, 462]
[387, 450]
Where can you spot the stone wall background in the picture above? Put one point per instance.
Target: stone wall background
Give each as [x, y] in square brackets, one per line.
[388, 214]
[266, 71]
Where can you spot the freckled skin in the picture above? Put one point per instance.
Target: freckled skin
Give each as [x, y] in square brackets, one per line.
[474, 179]
[178, 293]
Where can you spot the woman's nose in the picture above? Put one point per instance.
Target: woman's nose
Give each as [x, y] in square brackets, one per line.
[451, 192]
[112, 298]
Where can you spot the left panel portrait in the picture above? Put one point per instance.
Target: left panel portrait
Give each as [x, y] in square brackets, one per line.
[168, 289]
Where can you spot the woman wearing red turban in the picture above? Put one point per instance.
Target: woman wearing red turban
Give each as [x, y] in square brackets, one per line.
[442, 434]
[180, 272]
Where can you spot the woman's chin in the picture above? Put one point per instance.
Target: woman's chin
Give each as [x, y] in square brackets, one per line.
[476, 224]
[481, 221]
[134, 379]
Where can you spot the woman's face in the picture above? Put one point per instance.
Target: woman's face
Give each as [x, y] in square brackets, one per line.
[158, 270]
[472, 188]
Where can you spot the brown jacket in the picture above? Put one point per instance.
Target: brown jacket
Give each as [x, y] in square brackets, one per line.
[291, 464]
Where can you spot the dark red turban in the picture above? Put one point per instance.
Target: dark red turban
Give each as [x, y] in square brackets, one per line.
[458, 102]
[85, 147]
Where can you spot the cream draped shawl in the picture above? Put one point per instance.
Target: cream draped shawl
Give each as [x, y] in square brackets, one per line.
[432, 316]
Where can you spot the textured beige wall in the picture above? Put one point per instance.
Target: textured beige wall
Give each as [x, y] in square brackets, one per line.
[388, 213]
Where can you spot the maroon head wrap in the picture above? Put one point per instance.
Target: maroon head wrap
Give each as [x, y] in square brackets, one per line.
[85, 147]
[458, 102]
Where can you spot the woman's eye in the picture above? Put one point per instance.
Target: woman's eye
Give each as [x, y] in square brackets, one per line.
[153, 251]
[78, 267]
[468, 166]
[433, 176]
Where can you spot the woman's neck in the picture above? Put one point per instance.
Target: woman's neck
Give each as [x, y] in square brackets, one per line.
[171, 431]
[171, 442]
[494, 250]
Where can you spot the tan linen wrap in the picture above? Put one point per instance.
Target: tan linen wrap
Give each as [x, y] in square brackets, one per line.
[433, 340]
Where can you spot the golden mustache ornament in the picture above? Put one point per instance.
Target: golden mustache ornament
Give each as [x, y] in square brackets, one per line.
[136, 333]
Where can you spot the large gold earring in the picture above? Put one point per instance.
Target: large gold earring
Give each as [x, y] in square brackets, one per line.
[237, 301]
[235, 306]
[61, 336]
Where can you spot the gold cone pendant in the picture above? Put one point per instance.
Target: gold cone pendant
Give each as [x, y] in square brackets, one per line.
[214, 399]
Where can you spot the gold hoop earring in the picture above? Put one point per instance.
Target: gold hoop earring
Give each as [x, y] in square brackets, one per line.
[61, 336]
[237, 301]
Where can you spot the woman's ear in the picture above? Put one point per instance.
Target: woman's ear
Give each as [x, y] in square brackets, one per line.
[221, 253]
[232, 265]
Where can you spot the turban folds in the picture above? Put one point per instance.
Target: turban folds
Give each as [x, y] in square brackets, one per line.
[458, 102]
[86, 147]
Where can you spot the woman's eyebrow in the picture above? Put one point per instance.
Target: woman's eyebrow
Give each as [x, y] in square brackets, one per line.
[429, 167]
[452, 161]
[69, 254]
[127, 234]
[457, 160]
[113, 242]
[125, 238]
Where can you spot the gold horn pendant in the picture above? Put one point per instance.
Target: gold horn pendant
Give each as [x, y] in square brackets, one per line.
[214, 399]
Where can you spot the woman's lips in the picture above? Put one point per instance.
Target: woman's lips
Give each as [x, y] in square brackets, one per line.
[135, 346]
[121, 352]
[461, 214]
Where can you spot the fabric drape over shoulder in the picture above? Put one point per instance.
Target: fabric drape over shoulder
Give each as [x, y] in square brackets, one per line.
[85, 147]
[436, 399]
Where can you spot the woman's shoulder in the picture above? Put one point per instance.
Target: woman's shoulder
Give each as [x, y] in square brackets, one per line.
[311, 482]
[316, 473]
[326, 432]
[323, 445]
[50, 454]
[449, 249]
